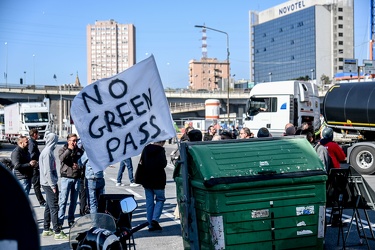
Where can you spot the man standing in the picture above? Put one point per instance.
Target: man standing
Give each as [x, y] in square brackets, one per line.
[153, 179]
[34, 154]
[245, 133]
[70, 174]
[95, 183]
[48, 179]
[23, 165]
[211, 132]
[128, 163]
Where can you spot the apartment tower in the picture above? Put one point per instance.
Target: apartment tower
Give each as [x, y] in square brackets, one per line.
[110, 49]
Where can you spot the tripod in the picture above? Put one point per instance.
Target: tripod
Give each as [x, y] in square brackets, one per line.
[360, 203]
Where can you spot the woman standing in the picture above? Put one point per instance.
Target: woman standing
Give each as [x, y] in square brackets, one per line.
[151, 175]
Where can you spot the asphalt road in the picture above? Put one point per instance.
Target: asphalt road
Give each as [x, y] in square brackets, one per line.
[170, 237]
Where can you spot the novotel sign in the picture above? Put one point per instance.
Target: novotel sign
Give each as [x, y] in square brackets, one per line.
[291, 7]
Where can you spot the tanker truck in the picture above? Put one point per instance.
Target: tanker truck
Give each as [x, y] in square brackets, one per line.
[349, 109]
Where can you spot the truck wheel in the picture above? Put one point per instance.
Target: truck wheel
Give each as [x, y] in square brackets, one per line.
[362, 159]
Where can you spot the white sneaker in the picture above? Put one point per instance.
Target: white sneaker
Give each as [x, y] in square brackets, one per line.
[134, 184]
[119, 185]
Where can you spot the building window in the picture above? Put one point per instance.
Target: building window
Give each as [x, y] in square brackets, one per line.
[264, 49]
[340, 9]
[341, 67]
[341, 26]
[341, 43]
[292, 58]
[272, 40]
[341, 18]
[341, 34]
[292, 42]
[281, 30]
[264, 35]
[299, 24]
[341, 59]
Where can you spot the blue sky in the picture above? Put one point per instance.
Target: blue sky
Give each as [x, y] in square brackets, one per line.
[47, 37]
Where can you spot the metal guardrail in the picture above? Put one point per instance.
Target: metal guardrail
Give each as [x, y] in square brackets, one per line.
[185, 107]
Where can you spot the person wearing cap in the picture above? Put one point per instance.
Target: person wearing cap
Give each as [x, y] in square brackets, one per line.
[334, 150]
[263, 132]
[245, 133]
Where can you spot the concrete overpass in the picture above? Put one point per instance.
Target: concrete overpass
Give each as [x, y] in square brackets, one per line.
[183, 105]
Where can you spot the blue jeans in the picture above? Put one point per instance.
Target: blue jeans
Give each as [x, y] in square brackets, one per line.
[68, 186]
[95, 189]
[26, 185]
[128, 163]
[155, 199]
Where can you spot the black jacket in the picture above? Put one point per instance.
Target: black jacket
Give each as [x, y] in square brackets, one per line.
[21, 161]
[34, 152]
[67, 158]
[154, 161]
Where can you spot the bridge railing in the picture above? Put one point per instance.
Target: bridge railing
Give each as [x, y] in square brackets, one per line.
[185, 107]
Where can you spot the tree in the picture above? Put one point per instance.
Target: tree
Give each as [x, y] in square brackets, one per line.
[325, 80]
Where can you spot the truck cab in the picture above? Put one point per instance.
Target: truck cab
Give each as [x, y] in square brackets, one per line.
[274, 104]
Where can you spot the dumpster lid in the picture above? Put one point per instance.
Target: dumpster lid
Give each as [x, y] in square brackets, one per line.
[231, 161]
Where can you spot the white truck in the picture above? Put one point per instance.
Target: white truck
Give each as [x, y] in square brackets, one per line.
[22, 116]
[274, 104]
[2, 126]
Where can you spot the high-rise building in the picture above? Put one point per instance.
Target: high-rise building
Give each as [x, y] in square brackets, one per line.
[305, 38]
[209, 74]
[110, 49]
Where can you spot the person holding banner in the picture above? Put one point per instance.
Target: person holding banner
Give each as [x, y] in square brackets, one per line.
[151, 175]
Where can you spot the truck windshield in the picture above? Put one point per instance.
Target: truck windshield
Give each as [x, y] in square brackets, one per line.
[36, 117]
[257, 105]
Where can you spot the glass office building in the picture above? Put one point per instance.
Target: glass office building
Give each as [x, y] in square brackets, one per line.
[301, 39]
[286, 49]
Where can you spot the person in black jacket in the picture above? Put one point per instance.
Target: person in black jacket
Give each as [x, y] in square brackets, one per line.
[23, 165]
[153, 179]
[34, 154]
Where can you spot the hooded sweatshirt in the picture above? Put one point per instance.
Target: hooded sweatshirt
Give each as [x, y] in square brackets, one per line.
[47, 163]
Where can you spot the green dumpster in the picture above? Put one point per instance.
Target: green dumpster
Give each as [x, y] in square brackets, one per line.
[251, 194]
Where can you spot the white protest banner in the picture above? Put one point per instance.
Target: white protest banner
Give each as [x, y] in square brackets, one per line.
[117, 117]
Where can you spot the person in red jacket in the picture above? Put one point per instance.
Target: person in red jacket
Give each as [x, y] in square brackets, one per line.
[334, 150]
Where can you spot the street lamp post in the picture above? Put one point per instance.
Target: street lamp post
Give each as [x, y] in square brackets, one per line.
[270, 74]
[34, 66]
[228, 69]
[312, 74]
[6, 64]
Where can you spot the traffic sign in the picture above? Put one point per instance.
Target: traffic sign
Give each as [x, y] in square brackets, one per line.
[350, 65]
[369, 66]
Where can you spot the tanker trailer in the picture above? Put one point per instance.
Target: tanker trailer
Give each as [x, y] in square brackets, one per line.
[349, 108]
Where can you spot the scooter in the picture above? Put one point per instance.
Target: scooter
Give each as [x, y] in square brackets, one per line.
[101, 231]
